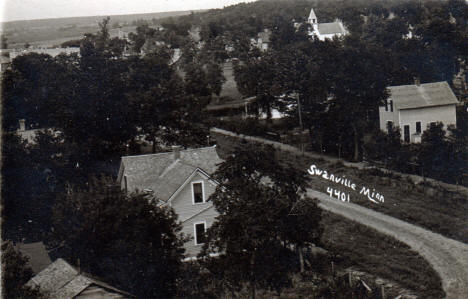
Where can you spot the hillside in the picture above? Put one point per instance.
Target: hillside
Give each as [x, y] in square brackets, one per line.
[47, 32]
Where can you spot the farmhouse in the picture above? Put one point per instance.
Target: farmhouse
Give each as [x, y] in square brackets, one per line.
[325, 30]
[414, 107]
[179, 179]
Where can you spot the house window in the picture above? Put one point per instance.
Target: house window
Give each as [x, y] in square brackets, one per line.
[197, 192]
[418, 127]
[199, 230]
[389, 126]
[386, 105]
[391, 105]
[406, 133]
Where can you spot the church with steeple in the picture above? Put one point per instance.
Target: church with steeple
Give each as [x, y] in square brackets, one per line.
[325, 30]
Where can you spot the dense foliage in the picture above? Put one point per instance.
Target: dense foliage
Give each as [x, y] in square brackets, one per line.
[15, 274]
[125, 239]
[264, 219]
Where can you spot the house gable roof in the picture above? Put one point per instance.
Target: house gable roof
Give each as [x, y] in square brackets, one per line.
[423, 95]
[331, 28]
[164, 174]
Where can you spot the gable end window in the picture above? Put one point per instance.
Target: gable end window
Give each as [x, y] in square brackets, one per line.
[391, 106]
[386, 105]
[197, 192]
[199, 231]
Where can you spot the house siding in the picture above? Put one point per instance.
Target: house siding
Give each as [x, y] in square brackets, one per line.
[182, 203]
[208, 216]
[184, 208]
[445, 114]
[385, 116]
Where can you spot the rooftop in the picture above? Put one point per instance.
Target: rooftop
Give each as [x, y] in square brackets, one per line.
[164, 173]
[422, 95]
[312, 14]
[331, 28]
[60, 280]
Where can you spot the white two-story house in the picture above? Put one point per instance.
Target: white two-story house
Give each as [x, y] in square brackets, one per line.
[413, 108]
[179, 179]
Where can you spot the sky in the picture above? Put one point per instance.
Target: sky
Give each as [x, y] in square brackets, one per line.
[11, 10]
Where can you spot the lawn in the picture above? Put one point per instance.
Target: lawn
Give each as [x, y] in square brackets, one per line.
[369, 251]
[229, 88]
[430, 207]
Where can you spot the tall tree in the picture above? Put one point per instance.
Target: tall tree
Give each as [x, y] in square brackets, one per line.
[264, 217]
[126, 239]
[15, 274]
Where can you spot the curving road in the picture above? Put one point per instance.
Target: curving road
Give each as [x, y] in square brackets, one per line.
[448, 257]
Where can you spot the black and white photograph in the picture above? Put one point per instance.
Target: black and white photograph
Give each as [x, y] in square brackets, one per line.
[234, 149]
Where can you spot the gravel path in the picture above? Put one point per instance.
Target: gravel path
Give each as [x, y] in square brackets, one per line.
[448, 257]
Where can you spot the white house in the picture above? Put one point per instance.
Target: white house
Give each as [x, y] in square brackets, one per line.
[179, 179]
[325, 30]
[413, 107]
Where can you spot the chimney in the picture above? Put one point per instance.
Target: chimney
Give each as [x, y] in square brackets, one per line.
[22, 125]
[417, 81]
[176, 151]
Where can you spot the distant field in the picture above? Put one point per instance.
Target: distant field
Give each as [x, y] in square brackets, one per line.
[49, 32]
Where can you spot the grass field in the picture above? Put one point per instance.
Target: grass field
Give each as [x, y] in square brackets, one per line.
[434, 209]
[378, 260]
[230, 87]
[370, 251]
[430, 207]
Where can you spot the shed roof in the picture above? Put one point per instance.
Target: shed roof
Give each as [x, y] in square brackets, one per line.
[422, 95]
[162, 173]
[60, 280]
[331, 28]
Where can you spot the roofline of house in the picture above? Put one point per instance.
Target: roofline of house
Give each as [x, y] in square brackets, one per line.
[427, 106]
[186, 150]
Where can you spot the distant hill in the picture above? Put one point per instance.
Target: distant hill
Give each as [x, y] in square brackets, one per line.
[88, 20]
[46, 32]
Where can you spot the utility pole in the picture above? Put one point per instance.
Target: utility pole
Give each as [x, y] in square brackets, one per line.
[300, 113]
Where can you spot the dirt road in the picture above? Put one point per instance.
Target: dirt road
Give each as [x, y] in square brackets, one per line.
[448, 257]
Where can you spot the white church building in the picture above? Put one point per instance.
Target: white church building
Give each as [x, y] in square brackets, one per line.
[325, 30]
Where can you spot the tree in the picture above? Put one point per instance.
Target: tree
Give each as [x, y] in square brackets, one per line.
[15, 274]
[125, 239]
[358, 88]
[264, 217]
[433, 155]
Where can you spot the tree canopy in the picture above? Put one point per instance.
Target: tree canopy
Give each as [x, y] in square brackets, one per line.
[264, 217]
[125, 239]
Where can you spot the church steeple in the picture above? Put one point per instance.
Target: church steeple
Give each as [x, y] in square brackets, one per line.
[312, 17]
